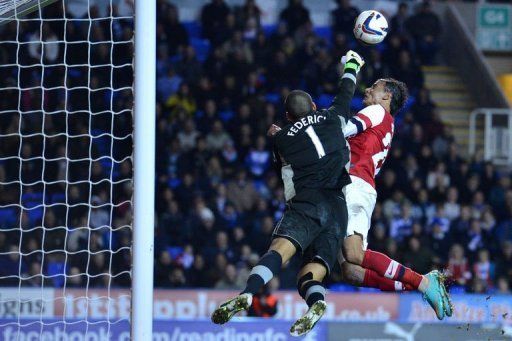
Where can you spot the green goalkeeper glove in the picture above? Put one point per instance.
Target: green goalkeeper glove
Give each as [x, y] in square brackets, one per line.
[353, 62]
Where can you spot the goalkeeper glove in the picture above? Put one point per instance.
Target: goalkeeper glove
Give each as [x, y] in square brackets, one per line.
[352, 61]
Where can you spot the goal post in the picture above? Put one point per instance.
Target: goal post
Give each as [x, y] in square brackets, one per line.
[144, 169]
[77, 163]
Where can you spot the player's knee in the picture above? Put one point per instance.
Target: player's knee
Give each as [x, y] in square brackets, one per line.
[284, 247]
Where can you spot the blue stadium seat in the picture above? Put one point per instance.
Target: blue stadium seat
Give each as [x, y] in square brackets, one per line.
[193, 28]
[324, 100]
[340, 287]
[32, 199]
[368, 290]
[269, 29]
[57, 269]
[357, 103]
[35, 214]
[226, 115]
[324, 32]
[57, 198]
[202, 47]
[457, 289]
[272, 97]
[175, 251]
[8, 217]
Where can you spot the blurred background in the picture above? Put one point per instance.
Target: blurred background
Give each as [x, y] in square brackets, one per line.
[223, 71]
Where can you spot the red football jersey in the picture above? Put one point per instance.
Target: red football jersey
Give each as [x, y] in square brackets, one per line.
[369, 134]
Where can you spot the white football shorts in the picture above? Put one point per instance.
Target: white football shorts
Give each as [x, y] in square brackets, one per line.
[361, 198]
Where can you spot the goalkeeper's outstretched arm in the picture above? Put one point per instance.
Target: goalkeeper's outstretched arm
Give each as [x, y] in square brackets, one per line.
[347, 85]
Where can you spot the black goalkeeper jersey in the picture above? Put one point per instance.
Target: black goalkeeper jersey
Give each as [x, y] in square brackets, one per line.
[313, 152]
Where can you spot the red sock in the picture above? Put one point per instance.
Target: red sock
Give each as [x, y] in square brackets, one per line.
[374, 280]
[386, 267]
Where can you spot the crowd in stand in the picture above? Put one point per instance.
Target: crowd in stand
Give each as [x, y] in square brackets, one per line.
[218, 195]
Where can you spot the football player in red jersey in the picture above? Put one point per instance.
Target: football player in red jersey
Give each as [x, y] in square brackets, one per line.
[369, 134]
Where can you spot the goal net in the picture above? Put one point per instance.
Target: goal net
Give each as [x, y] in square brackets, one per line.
[66, 103]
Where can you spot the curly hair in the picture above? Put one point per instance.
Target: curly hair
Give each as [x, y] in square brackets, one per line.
[399, 94]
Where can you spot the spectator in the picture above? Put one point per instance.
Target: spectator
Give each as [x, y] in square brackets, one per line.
[295, 15]
[451, 206]
[417, 257]
[177, 278]
[218, 137]
[399, 20]
[188, 136]
[408, 71]
[264, 303]
[176, 33]
[425, 28]
[258, 159]
[168, 85]
[241, 192]
[343, 17]
[423, 107]
[458, 265]
[213, 19]
[229, 280]
[502, 286]
[483, 268]
[181, 100]
[197, 274]
[504, 261]
[249, 17]
[188, 66]
[401, 226]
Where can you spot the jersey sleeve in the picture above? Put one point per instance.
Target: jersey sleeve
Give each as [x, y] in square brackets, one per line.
[341, 104]
[371, 116]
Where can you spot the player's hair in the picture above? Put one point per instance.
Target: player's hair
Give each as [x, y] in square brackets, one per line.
[298, 104]
[399, 94]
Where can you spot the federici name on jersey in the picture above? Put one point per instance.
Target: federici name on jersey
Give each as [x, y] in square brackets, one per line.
[304, 122]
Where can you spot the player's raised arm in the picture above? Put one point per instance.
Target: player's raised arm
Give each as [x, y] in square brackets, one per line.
[347, 85]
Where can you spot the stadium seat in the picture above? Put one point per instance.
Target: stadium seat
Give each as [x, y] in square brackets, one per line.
[193, 28]
[8, 217]
[226, 115]
[340, 287]
[58, 270]
[202, 47]
[324, 32]
[268, 29]
[175, 251]
[324, 100]
[357, 103]
[33, 199]
[57, 198]
[35, 214]
[272, 97]
[457, 289]
[368, 290]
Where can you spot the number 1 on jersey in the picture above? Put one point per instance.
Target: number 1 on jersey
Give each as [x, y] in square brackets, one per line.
[316, 141]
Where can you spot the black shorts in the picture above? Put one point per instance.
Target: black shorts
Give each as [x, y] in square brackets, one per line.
[315, 222]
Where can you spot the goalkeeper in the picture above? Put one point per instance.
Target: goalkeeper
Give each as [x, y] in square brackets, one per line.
[313, 157]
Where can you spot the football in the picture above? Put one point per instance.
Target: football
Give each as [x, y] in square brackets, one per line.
[371, 27]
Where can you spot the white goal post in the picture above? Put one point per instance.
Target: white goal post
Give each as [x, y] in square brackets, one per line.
[144, 176]
[77, 163]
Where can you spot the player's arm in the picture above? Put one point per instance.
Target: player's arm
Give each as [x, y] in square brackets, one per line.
[370, 116]
[278, 163]
[347, 85]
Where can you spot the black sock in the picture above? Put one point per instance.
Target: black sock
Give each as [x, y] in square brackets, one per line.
[312, 291]
[315, 297]
[267, 267]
